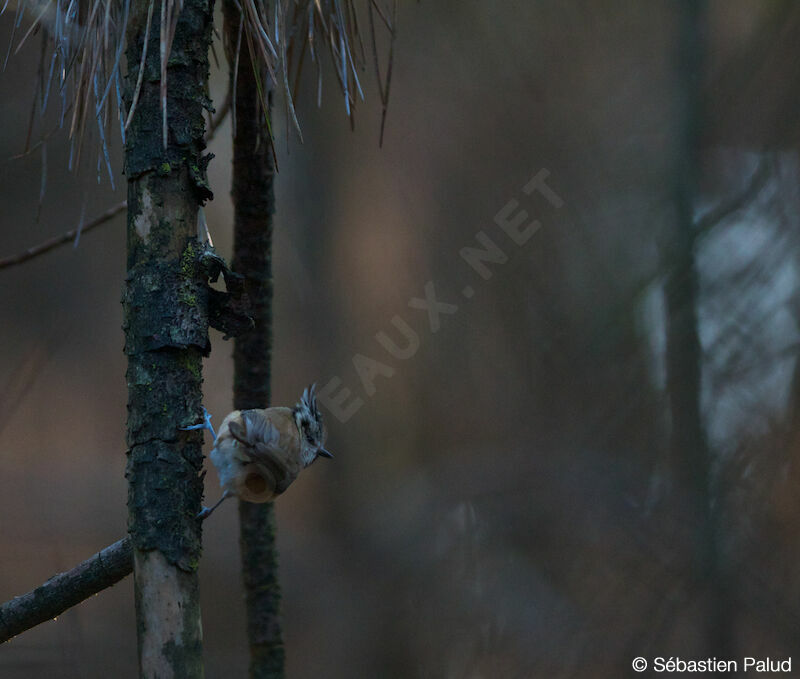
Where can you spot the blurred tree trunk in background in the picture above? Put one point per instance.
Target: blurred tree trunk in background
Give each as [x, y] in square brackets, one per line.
[690, 453]
[253, 203]
[166, 336]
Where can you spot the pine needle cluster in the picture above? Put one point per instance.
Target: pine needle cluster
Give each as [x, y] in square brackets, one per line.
[83, 46]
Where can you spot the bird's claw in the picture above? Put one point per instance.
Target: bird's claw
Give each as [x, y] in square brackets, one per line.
[205, 424]
[205, 512]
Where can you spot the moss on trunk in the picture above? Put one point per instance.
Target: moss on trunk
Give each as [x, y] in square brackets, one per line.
[166, 336]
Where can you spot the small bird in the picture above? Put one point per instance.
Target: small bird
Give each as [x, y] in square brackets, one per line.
[259, 452]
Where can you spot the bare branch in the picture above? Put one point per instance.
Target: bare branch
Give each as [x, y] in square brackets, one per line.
[69, 236]
[219, 118]
[66, 589]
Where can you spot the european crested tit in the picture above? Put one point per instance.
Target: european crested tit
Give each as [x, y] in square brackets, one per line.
[259, 452]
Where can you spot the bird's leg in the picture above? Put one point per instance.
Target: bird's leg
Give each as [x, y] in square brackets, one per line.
[205, 424]
[206, 511]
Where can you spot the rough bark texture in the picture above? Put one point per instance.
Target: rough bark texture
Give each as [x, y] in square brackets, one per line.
[166, 335]
[253, 201]
[66, 589]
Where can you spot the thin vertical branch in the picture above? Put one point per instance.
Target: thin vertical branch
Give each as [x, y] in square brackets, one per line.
[253, 200]
[690, 450]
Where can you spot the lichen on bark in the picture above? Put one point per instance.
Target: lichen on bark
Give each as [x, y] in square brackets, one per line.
[166, 335]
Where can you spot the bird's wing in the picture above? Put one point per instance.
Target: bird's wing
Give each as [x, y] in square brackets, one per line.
[261, 442]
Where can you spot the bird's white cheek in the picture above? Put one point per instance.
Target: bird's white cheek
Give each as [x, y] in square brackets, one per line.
[307, 456]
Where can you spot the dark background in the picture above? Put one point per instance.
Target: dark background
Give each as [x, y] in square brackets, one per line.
[506, 504]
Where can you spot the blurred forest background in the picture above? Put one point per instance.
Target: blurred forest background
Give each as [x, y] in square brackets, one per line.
[594, 458]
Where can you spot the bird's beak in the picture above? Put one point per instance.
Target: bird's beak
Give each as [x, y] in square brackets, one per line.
[324, 453]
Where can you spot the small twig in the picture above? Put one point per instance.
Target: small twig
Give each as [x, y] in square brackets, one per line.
[106, 216]
[66, 589]
[67, 237]
[220, 116]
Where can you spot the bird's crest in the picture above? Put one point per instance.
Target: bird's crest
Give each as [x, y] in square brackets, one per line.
[308, 403]
[309, 418]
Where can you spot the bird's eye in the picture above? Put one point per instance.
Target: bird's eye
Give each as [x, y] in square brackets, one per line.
[309, 438]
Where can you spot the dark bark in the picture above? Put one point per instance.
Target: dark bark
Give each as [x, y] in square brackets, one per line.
[262, 590]
[253, 201]
[66, 589]
[166, 335]
[690, 451]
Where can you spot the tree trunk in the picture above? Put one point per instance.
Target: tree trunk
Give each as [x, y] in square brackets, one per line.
[253, 201]
[166, 335]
